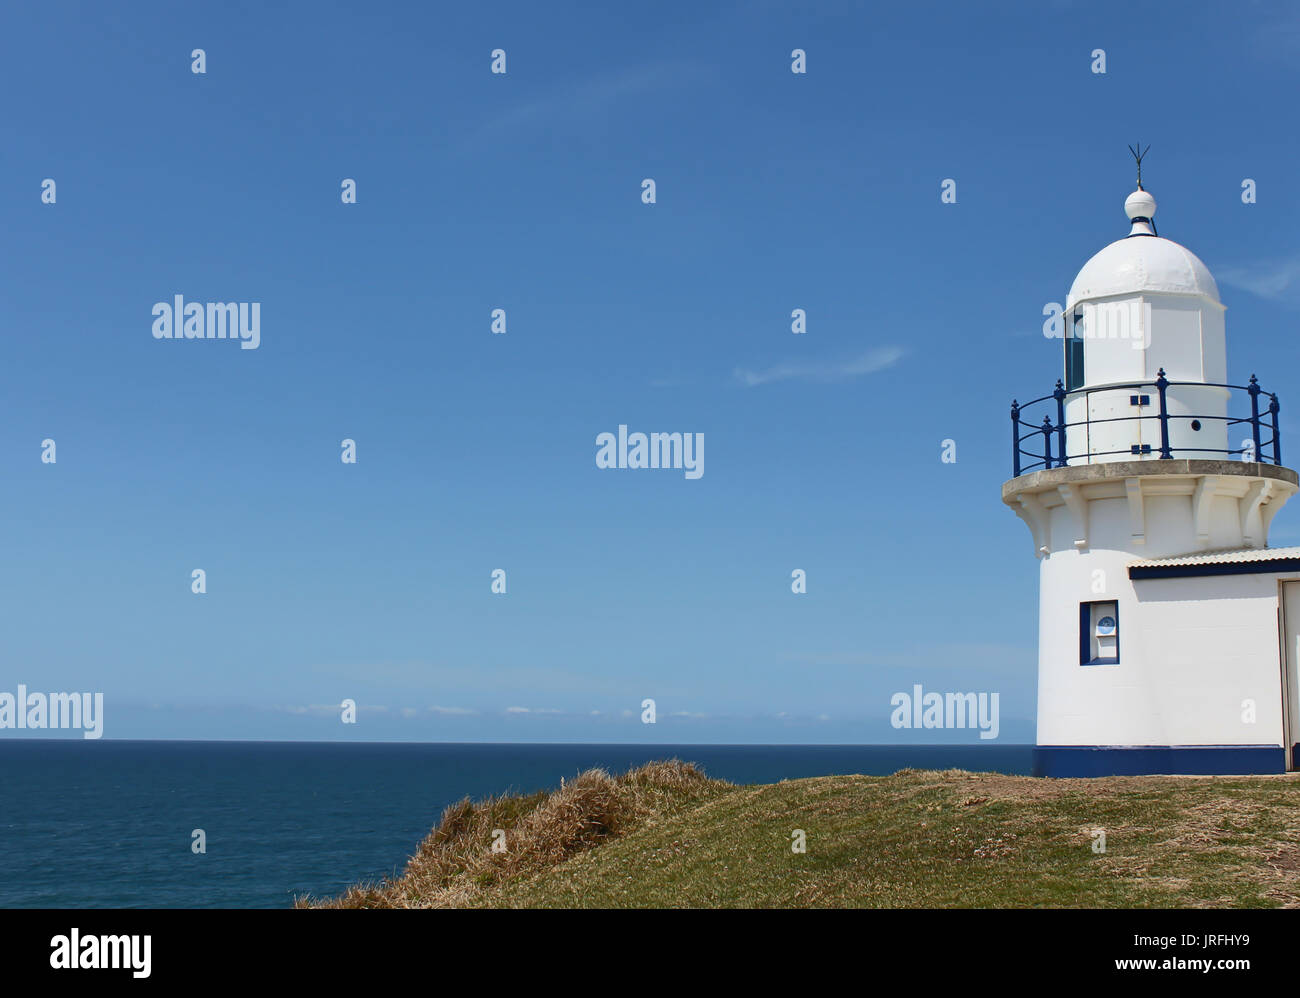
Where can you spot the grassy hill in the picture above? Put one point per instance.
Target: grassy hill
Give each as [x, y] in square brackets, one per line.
[665, 835]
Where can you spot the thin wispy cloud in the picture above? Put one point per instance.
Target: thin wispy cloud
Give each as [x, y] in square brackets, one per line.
[983, 653]
[468, 682]
[1277, 37]
[577, 102]
[1276, 280]
[867, 363]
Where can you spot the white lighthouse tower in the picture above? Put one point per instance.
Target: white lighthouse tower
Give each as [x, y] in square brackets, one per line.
[1168, 631]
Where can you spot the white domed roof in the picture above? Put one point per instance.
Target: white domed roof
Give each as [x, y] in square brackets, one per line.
[1143, 261]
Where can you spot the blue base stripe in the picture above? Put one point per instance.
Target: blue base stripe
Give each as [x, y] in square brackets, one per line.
[1178, 760]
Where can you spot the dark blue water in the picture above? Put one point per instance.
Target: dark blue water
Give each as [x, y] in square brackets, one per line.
[109, 823]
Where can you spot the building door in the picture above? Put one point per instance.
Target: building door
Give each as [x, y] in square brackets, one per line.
[1289, 627]
[1112, 427]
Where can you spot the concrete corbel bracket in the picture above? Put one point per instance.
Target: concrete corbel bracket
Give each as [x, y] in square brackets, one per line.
[1036, 517]
[1251, 522]
[1136, 514]
[1277, 496]
[1078, 508]
[1207, 486]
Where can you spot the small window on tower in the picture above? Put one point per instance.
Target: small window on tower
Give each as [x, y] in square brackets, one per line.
[1099, 633]
[1074, 351]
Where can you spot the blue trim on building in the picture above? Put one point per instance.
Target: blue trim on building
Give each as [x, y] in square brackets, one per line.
[1224, 568]
[1085, 639]
[1177, 760]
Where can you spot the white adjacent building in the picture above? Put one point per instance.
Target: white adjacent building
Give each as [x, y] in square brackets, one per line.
[1169, 631]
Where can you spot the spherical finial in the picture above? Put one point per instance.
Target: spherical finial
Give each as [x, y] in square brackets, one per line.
[1140, 204]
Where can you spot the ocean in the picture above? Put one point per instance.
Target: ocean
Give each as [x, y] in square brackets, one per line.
[109, 824]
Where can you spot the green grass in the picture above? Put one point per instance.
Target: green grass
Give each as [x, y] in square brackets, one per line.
[666, 836]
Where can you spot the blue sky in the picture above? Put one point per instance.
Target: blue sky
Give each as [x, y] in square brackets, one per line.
[522, 191]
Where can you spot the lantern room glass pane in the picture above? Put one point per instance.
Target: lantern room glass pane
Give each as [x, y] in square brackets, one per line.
[1074, 352]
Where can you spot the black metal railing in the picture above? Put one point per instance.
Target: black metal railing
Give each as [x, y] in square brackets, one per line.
[1056, 457]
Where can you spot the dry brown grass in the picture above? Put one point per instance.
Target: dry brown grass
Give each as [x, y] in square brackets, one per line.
[456, 864]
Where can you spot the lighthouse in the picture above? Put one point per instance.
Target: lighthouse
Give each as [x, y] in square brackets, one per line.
[1168, 629]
